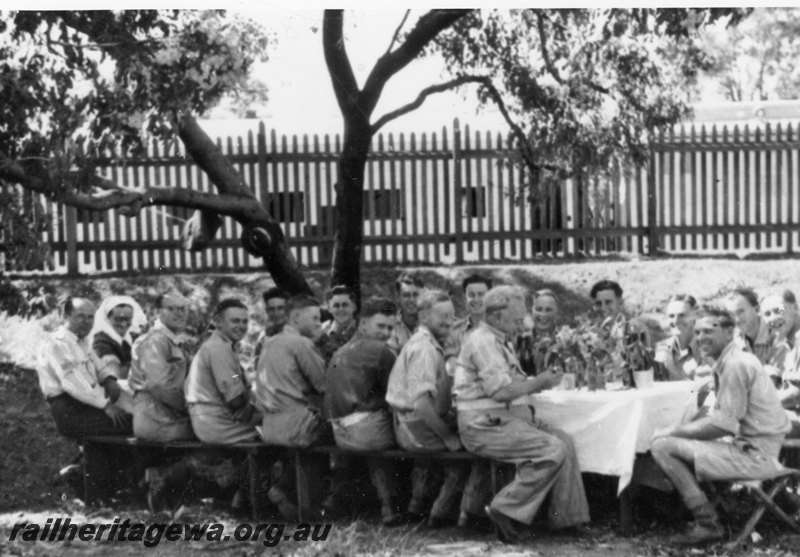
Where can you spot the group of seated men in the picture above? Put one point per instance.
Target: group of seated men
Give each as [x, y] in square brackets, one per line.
[409, 374]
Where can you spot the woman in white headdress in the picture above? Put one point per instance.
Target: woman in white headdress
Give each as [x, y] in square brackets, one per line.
[117, 322]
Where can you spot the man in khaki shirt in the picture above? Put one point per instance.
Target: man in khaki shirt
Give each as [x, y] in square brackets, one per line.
[738, 439]
[408, 288]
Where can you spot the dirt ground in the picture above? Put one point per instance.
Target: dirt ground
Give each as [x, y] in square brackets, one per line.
[32, 452]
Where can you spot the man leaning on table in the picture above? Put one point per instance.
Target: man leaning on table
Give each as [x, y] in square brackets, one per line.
[495, 421]
[738, 439]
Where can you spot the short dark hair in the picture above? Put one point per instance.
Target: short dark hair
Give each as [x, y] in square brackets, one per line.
[725, 318]
[69, 306]
[687, 299]
[229, 303]
[375, 305]
[789, 297]
[408, 278]
[340, 290]
[748, 294]
[275, 292]
[476, 279]
[300, 301]
[605, 284]
[544, 292]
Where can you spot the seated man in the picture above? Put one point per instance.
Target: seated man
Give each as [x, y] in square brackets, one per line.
[746, 409]
[408, 288]
[475, 288]
[607, 301]
[355, 399]
[68, 376]
[752, 332]
[419, 394]
[275, 305]
[780, 313]
[678, 357]
[217, 391]
[496, 421]
[289, 387]
[158, 373]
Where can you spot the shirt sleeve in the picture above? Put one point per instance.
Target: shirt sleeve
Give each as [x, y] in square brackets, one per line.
[227, 372]
[76, 382]
[490, 364]
[386, 361]
[163, 365]
[731, 403]
[422, 361]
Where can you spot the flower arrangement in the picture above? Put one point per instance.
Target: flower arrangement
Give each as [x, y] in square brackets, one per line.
[600, 351]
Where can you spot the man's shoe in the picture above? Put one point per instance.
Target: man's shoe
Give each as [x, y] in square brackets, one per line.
[415, 512]
[700, 534]
[474, 522]
[508, 530]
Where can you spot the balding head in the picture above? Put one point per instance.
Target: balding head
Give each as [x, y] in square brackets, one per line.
[79, 316]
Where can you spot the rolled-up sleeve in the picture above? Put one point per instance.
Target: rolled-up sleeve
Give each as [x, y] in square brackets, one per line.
[731, 404]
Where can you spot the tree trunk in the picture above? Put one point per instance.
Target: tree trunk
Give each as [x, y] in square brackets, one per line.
[349, 234]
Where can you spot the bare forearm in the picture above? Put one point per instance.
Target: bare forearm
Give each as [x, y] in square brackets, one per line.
[701, 429]
[521, 388]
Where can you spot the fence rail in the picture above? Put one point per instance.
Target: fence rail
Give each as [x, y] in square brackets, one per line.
[452, 197]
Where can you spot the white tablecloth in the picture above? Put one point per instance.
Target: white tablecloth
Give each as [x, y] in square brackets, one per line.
[610, 427]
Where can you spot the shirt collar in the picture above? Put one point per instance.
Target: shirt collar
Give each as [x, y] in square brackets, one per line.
[731, 347]
[173, 337]
[424, 330]
[222, 337]
[498, 334]
[763, 336]
[289, 330]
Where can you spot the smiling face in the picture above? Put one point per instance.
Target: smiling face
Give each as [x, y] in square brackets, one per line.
[474, 295]
[544, 312]
[712, 338]
[121, 318]
[681, 320]
[744, 314]
[774, 313]
[439, 319]
[511, 319]
[233, 323]
[342, 308]
[409, 294]
[174, 312]
[307, 321]
[607, 303]
[377, 327]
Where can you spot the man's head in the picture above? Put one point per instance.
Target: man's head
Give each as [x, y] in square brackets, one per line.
[436, 312]
[341, 304]
[680, 313]
[408, 287]
[79, 316]
[773, 312]
[505, 309]
[173, 310]
[713, 330]
[791, 310]
[275, 303]
[304, 315]
[607, 297]
[475, 288]
[120, 317]
[230, 318]
[742, 303]
[377, 318]
[544, 310]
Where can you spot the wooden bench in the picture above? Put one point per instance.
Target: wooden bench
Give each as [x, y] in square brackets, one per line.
[96, 475]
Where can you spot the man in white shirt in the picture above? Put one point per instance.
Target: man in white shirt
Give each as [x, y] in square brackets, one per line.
[67, 370]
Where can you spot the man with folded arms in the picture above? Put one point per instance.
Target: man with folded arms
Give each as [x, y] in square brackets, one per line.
[419, 393]
[355, 399]
[290, 385]
[495, 421]
[738, 439]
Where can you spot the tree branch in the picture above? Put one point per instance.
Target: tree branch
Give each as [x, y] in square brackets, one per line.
[397, 31]
[127, 200]
[426, 29]
[548, 63]
[424, 94]
[344, 82]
